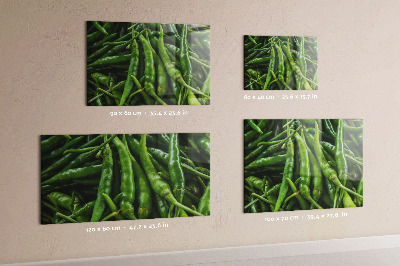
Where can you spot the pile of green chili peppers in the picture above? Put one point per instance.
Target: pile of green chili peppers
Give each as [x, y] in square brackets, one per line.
[147, 64]
[280, 63]
[92, 178]
[302, 164]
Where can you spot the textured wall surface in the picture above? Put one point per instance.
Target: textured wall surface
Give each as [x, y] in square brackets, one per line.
[42, 82]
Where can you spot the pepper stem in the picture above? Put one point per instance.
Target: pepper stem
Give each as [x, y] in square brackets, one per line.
[66, 217]
[262, 198]
[337, 183]
[183, 83]
[289, 198]
[311, 200]
[158, 98]
[173, 201]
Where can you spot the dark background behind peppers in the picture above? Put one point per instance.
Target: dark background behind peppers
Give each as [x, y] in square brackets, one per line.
[43, 92]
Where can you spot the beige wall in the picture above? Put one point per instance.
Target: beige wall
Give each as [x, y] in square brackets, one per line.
[42, 83]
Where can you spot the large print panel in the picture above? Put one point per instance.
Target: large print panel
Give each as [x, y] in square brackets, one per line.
[93, 178]
[147, 64]
[302, 164]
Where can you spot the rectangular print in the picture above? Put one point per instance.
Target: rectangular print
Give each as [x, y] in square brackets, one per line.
[93, 178]
[147, 64]
[280, 63]
[302, 164]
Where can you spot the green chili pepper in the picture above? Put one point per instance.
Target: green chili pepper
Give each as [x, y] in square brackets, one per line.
[74, 174]
[175, 168]
[270, 69]
[100, 28]
[156, 182]
[184, 56]
[254, 144]
[108, 50]
[328, 172]
[289, 75]
[149, 76]
[112, 206]
[357, 130]
[111, 60]
[143, 188]
[61, 200]
[162, 156]
[149, 69]
[162, 206]
[347, 201]
[162, 80]
[287, 173]
[113, 214]
[172, 71]
[281, 66]
[58, 152]
[339, 152]
[265, 162]
[251, 134]
[204, 144]
[255, 127]
[253, 207]
[188, 169]
[274, 190]
[82, 150]
[116, 185]
[84, 157]
[360, 191]
[52, 142]
[69, 157]
[192, 99]
[302, 61]
[255, 182]
[263, 150]
[305, 172]
[296, 68]
[132, 71]
[104, 185]
[206, 85]
[269, 150]
[300, 199]
[96, 35]
[102, 42]
[316, 174]
[66, 217]
[329, 128]
[127, 180]
[82, 211]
